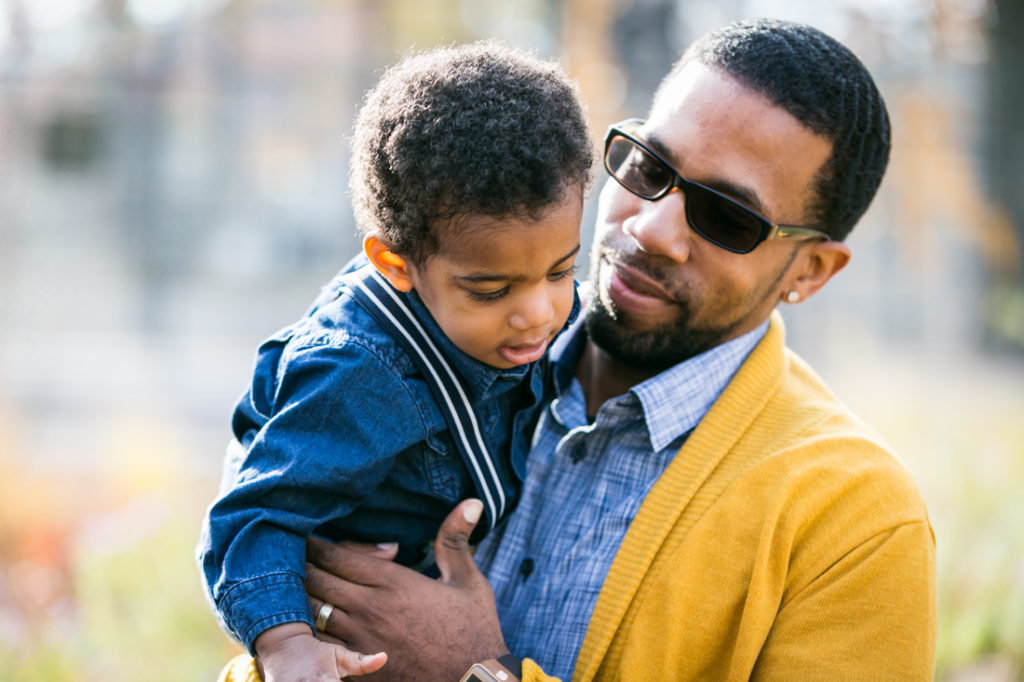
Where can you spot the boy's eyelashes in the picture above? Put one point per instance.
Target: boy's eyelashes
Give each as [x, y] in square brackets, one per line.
[562, 274]
[486, 296]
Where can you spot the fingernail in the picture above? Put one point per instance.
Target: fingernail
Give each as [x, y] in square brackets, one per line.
[472, 510]
[387, 546]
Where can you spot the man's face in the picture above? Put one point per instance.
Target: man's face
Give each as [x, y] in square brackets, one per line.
[662, 292]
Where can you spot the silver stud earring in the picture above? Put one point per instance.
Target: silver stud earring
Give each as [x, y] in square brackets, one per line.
[793, 297]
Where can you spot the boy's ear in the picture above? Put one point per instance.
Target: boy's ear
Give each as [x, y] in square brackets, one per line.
[387, 262]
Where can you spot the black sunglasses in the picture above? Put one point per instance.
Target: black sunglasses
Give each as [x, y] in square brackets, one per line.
[720, 219]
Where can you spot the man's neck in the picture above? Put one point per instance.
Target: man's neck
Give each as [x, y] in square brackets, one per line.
[602, 378]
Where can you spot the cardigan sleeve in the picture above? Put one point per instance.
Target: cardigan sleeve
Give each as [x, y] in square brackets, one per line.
[533, 673]
[871, 615]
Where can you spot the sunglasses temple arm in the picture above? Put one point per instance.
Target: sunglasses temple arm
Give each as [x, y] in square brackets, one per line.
[788, 231]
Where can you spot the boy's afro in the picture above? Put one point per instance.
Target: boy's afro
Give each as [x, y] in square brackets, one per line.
[478, 129]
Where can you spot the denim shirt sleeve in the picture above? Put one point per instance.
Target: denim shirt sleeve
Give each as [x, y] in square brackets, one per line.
[324, 421]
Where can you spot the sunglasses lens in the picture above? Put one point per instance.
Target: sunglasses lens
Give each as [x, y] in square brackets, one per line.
[716, 218]
[635, 169]
[722, 221]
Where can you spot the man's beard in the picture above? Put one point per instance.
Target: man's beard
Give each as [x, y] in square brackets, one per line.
[655, 350]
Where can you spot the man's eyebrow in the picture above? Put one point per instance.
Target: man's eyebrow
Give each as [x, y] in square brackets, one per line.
[741, 193]
[491, 277]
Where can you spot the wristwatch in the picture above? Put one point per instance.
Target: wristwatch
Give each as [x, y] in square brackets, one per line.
[495, 670]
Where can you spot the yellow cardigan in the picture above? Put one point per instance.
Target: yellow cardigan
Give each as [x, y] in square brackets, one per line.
[784, 542]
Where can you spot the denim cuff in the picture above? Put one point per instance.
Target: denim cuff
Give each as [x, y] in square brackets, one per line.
[258, 604]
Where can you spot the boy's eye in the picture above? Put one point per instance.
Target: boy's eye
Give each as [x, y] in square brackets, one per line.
[486, 296]
[562, 274]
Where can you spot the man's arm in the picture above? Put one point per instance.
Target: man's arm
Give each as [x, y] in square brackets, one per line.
[430, 629]
[869, 616]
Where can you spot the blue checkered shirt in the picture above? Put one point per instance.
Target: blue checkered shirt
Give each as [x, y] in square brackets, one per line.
[585, 482]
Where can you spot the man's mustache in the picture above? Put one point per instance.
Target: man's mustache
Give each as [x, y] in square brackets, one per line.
[646, 265]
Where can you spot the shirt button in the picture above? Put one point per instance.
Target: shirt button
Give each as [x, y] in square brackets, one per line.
[526, 568]
[577, 452]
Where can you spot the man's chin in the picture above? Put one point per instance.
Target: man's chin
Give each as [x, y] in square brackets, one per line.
[647, 350]
[654, 349]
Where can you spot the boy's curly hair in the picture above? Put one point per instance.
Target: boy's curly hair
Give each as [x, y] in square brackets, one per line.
[477, 129]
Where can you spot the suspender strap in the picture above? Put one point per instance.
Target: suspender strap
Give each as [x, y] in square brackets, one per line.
[391, 310]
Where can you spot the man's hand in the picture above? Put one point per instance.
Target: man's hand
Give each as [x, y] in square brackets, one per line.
[430, 629]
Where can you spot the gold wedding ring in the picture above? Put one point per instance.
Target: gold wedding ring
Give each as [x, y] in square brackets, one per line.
[322, 615]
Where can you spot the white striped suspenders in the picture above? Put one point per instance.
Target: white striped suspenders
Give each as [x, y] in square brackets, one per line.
[391, 310]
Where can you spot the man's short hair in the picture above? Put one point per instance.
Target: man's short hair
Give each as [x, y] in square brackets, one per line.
[823, 85]
[478, 129]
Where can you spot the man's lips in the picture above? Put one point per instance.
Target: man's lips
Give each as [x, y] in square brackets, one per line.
[633, 291]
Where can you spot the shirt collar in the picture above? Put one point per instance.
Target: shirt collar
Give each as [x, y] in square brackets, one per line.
[674, 401]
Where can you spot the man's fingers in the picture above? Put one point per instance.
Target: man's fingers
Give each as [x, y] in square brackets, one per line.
[451, 549]
[321, 587]
[357, 567]
[383, 550]
[338, 628]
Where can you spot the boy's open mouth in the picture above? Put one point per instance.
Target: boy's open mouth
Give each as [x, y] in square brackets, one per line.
[524, 353]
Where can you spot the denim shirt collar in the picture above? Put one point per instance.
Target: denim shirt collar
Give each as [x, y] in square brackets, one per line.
[674, 401]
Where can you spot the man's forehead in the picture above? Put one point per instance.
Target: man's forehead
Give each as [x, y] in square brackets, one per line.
[719, 131]
[699, 93]
[697, 90]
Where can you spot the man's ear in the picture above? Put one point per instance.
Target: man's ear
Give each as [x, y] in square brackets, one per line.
[821, 261]
[387, 262]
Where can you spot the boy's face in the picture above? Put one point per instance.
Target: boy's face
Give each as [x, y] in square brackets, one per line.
[501, 288]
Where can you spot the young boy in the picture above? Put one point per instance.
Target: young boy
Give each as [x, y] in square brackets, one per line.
[468, 171]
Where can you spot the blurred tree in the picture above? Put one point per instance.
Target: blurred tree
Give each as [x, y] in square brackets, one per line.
[1005, 158]
[647, 47]
[1006, 129]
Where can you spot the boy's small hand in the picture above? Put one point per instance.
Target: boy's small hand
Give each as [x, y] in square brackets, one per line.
[290, 653]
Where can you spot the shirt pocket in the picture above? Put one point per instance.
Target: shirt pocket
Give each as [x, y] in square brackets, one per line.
[443, 468]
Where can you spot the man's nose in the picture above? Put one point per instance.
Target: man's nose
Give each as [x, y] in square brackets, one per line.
[660, 227]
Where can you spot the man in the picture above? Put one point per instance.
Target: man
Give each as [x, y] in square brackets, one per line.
[698, 506]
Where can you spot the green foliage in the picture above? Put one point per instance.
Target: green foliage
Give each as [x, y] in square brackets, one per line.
[980, 528]
[147, 599]
[137, 610]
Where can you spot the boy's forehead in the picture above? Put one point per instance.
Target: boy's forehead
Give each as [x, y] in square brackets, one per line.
[502, 243]
[465, 237]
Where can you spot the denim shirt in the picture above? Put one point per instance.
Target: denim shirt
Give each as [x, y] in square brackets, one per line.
[344, 440]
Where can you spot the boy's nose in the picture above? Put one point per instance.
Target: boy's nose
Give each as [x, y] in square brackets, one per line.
[535, 310]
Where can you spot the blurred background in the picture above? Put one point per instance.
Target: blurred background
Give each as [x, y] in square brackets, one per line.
[173, 189]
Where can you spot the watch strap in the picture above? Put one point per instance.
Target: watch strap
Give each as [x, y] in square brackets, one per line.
[513, 665]
[507, 668]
